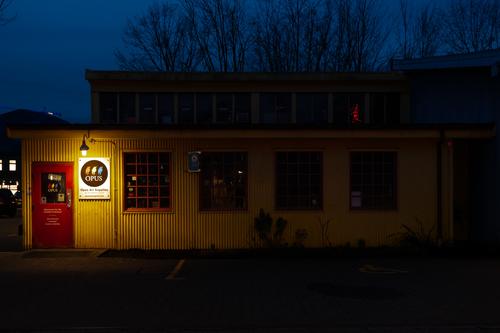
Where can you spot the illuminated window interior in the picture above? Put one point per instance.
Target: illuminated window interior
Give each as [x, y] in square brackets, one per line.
[223, 180]
[12, 165]
[147, 176]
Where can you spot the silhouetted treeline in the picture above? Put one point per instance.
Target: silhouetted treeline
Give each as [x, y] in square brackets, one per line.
[302, 35]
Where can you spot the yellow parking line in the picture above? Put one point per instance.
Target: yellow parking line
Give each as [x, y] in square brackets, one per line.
[176, 270]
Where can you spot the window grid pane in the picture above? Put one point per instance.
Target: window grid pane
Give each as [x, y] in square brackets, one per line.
[312, 108]
[224, 108]
[147, 108]
[204, 108]
[275, 108]
[166, 108]
[242, 105]
[186, 108]
[223, 181]
[108, 108]
[373, 180]
[299, 180]
[147, 176]
[127, 108]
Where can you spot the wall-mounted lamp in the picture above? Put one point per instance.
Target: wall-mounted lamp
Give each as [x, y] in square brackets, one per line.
[84, 147]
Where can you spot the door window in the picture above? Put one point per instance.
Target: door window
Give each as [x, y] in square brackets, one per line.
[53, 188]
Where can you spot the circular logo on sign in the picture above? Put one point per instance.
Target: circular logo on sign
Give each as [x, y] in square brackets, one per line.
[94, 173]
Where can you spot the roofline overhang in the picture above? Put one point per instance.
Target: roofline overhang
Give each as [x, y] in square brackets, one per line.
[124, 132]
[484, 59]
[98, 75]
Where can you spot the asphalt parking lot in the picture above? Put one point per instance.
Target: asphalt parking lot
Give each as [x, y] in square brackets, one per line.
[9, 232]
[86, 291]
[81, 291]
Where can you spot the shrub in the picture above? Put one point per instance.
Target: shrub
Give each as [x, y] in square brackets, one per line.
[361, 243]
[418, 238]
[300, 237]
[263, 225]
[323, 229]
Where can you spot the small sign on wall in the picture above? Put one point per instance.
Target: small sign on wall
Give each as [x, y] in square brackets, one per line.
[194, 161]
[94, 178]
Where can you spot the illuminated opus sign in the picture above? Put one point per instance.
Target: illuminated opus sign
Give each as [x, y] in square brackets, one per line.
[94, 178]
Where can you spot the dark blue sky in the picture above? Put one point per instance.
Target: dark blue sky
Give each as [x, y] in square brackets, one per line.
[46, 49]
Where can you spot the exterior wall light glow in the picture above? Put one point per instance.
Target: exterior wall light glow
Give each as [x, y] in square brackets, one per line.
[84, 147]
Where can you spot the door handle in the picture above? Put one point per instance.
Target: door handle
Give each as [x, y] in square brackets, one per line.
[68, 194]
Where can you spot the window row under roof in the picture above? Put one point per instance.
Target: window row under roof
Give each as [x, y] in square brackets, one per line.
[263, 108]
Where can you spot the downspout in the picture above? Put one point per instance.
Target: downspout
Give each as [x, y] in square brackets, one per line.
[439, 189]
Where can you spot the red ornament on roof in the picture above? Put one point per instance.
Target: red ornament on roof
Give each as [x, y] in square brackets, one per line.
[355, 113]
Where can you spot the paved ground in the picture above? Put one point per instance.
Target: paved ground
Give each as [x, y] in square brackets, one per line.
[79, 291]
[9, 233]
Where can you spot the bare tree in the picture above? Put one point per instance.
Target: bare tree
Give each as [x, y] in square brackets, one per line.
[472, 25]
[420, 32]
[320, 35]
[341, 47]
[267, 38]
[4, 18]
[406, 50]
[293, 36]
[159, 40]
[220, 30]
[280, 36]
[370, 36]
[427, 31]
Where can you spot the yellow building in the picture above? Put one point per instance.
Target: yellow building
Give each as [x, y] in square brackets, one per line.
[186, 161]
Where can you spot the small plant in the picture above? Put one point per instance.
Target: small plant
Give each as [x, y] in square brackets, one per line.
[323, 229]
[300, 237]
[279, 230]
[270, 234]
[361, 243]
[418, 238]
[263, 225]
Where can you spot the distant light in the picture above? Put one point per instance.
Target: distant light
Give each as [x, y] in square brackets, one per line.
[240, 172]
[50, 113]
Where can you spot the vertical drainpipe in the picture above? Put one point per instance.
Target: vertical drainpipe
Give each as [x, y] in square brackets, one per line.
[439, 184]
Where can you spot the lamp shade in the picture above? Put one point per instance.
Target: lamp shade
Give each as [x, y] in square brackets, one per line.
[84, 148]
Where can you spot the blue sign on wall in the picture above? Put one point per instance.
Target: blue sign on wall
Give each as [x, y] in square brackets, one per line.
[194, 161]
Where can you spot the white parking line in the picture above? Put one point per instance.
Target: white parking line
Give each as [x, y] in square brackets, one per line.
[176, 270]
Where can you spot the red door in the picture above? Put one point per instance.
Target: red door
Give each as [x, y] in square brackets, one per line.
[52, 193]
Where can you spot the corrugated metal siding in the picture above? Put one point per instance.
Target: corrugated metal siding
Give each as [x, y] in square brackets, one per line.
[186, 227]
[93, 220]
